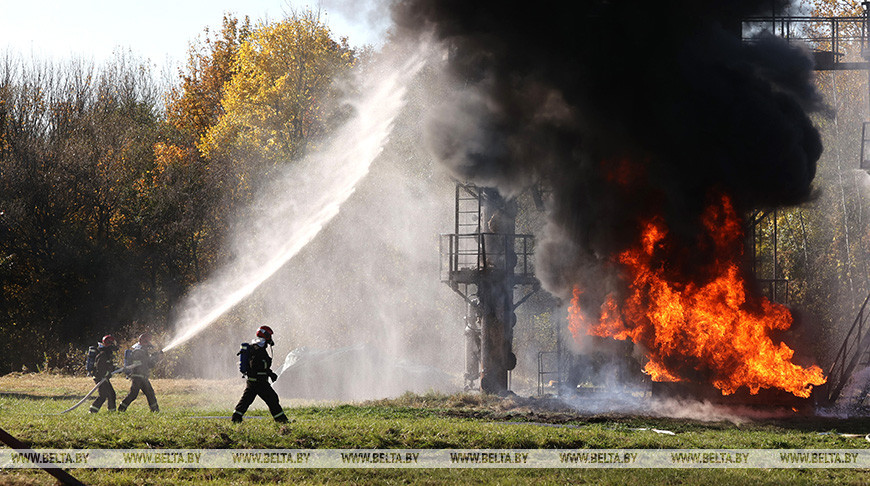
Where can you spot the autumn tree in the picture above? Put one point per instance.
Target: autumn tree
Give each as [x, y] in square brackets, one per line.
[182, 186]
[281, 96]
[194, 105]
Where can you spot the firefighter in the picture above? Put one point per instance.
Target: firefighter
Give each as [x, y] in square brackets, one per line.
[257, 364]
[141, 362]
[104, 365]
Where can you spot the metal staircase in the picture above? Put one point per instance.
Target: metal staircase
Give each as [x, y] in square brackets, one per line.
[854, 354]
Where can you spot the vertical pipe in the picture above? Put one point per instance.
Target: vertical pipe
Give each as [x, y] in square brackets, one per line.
[864, 132]
[525, 255]
[472, 345]
[481, 253]
[493, 376]
[754, 245]
[441, 258]
[775, 253]
[498, 217]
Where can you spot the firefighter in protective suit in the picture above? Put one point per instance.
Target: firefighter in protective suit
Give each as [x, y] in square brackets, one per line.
[142, 362]
[259, 371]
[104, 365]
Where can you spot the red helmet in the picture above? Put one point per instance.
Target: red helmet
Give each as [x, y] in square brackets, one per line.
[145, 339]
[265, 332]
[108, 340]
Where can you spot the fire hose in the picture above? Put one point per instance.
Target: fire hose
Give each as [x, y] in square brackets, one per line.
[125, 368]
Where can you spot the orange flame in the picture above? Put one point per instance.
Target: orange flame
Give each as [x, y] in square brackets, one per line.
[693, 330]
[576, 321]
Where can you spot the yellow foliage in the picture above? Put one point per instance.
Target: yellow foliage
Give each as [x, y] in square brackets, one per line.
[194, 106]
[166, 155]
[278, 96]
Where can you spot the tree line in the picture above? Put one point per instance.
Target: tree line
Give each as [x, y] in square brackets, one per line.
[116, 189]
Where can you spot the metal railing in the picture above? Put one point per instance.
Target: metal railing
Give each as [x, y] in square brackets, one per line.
[775, 289]
[833, 40]
[474, 252]
[856, 344]
[544, 371]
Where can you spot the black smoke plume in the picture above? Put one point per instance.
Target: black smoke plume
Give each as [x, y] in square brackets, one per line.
[622, 109]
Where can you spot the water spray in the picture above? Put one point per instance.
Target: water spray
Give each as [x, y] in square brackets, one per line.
[126, 368]
[287, 218]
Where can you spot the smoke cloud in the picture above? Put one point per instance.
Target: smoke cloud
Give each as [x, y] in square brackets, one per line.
[623, 109]
[373, 15]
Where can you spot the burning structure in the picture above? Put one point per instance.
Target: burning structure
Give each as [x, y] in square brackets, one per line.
[485, 261]
[656, 130]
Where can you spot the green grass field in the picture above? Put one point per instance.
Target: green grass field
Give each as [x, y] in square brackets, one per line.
[192, 416]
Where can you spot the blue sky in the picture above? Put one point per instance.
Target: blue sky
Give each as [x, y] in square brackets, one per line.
[159, 30]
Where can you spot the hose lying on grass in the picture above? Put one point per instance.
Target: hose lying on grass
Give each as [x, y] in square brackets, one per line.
[126, 368]
[849, 436]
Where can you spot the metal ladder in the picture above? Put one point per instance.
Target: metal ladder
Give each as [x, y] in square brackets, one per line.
[467, 209]
[468, 251]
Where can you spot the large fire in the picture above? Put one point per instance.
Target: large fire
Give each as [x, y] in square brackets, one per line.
[708, 331]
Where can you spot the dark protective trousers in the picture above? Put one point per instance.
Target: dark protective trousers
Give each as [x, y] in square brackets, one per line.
[137, 384]
[262, 389]
[106, 394]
